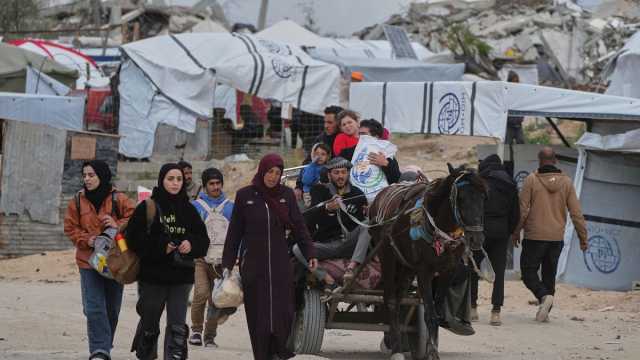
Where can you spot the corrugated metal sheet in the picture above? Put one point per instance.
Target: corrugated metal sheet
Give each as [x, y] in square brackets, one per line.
[32, 164]
[20, 236]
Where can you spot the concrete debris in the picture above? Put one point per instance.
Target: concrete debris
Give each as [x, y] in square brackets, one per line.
[575, 43]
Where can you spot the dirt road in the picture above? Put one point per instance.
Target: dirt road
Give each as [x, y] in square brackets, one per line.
[42, 319]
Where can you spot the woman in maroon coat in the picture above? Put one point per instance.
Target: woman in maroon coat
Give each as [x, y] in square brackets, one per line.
[262, 213]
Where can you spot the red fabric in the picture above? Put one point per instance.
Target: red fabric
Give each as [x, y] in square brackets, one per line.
[369, 278]
[343, 141]
[272, 195]
[385, 134]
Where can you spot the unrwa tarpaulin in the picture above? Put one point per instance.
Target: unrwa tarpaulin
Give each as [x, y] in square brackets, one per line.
[445, 107]
[607, 182]
[478, 108]
[172, 79]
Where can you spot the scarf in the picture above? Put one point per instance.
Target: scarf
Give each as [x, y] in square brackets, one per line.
[97, 196]
[272, 195]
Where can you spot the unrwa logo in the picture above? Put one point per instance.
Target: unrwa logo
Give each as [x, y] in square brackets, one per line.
[451, 115]
[603, 253]
[363, 173]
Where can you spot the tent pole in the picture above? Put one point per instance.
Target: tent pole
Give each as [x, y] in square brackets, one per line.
[557, 130]
[262, 18]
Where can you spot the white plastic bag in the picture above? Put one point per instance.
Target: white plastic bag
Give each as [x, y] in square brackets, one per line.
[227, 292]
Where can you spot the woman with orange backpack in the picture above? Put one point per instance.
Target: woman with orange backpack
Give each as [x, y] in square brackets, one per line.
[93, 210]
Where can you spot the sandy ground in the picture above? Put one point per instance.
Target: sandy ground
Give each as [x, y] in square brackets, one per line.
[41, 318]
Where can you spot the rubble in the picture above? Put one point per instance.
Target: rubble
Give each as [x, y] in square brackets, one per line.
[576, 42]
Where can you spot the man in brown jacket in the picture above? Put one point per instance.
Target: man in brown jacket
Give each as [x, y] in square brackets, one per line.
[545, 197]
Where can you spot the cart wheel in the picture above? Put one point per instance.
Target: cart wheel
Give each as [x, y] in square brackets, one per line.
[418, 340]
[308, 328]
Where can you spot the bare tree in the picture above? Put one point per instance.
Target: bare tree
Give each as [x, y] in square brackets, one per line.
[15, 15]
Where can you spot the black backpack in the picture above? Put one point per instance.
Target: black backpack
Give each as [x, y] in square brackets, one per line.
[114, 205]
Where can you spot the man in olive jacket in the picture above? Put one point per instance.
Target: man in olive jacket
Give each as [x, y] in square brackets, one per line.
[546, 196]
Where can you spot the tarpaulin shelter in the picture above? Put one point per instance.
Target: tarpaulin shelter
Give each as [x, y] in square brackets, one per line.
[15, 61]
[287, 31]
[69, 57]
[622, 69]
[607, 182]
[479, 108]
[397, 70]
[172, 79]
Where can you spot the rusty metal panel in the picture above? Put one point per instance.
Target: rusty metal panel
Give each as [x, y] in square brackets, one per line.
[33, 160]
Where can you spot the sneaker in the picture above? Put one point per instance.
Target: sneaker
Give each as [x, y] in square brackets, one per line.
[210, 342]
[196, 339]
[474, 314]
[544, 308]
[495, 319]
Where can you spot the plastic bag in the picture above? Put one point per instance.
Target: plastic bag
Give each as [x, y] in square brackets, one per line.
[486, 269]
[103, 243]
[227, 292]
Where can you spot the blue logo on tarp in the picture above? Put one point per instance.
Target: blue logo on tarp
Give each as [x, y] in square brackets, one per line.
[603, 253]
[451, 114]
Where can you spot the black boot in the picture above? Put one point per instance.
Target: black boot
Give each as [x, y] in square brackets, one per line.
[177, 347]
[146, 345]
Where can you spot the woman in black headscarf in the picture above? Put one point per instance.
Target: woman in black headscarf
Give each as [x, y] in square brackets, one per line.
[95, 208]
[262, 213]
[166, 250]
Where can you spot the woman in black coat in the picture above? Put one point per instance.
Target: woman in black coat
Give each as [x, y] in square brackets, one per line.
[166, 251]
[262, 214]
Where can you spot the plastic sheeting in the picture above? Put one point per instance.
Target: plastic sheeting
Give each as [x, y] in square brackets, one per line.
[62, 112]
[33, 189]
[180, 72]
[450, 108]
[626, 142]
[41, 83]
[608, 184]
[623, 70]
[479, 108]
[381, 70]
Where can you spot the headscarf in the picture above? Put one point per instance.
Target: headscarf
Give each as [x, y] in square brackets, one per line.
[272, 195]
[99, 194]
[176, 204]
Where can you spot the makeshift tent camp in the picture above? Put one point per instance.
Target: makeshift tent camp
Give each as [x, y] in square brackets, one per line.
[479, 108]
[69, 57]
[622, 69]
[171, 79]
[289, 32]
[15, 61]
[607, 182]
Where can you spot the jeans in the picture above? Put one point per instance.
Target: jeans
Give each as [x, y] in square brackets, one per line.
[544, 255]
[101, 300]
[496, 249]
[355, 246]
[151, 304]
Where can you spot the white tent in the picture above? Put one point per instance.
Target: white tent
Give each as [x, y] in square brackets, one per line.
[607, 182]
[61, 112]
[623, 70]
[289, 32]
[478, 108]
[171, 79]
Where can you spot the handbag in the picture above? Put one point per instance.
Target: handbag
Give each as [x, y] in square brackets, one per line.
[227, 292]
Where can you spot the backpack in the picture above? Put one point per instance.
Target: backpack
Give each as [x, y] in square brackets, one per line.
[122, 262]
[217, 226]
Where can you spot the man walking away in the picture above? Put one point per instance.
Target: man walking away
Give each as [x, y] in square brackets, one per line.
[215, 210]
[546, 195]
[501, 213]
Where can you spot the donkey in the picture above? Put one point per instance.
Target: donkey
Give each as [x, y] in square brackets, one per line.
[445, 206]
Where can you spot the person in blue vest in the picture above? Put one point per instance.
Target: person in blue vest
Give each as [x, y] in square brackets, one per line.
[215, 209]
